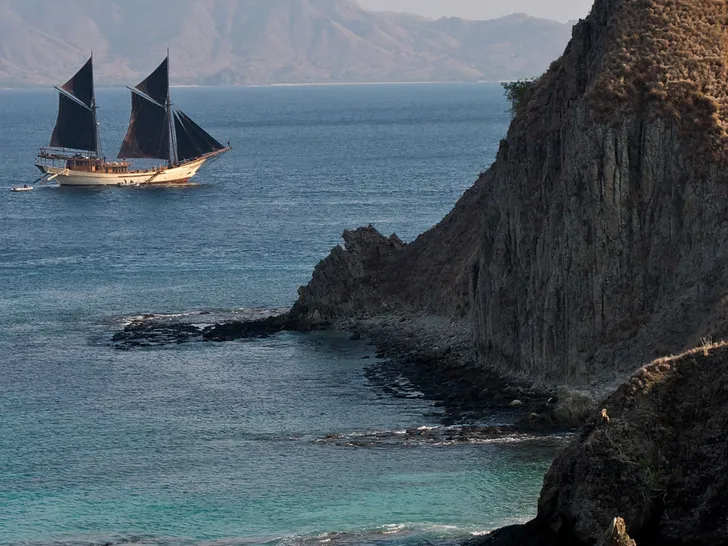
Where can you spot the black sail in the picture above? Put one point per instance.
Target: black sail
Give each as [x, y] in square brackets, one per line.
[81, 85]
[149, 129]
[76, 124]
[192, 140]
[148, 134]
[156, 86]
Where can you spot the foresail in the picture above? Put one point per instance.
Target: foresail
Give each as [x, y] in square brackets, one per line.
[148, 134]
[192, 140]
[76, 124]
[75, 127]
[81, 85]
[158, 131]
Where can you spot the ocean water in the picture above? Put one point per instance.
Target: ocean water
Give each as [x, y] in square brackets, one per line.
[221, 443]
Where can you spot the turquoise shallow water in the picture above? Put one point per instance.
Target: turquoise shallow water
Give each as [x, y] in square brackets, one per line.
[204, 443]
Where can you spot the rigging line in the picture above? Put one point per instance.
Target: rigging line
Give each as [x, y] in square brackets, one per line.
[213, 160]
[73, 97]
[41, 178]
[144, 96]
[97, 127]
[191, 136]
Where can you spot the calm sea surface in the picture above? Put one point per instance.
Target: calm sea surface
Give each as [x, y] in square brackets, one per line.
[208, 443]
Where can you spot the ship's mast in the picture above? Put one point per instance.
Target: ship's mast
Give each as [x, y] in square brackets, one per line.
[173, 160]
[97, 131]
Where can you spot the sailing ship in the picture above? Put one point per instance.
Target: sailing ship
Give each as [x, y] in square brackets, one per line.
[157, 130]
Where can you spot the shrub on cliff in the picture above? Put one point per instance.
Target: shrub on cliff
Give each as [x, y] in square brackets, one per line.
[518, 93]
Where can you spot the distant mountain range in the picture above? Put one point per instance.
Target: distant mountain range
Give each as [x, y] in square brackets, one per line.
[231, 42]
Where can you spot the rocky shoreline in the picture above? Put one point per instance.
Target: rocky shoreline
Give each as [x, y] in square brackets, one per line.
[417, 353]
[436, 356]
[588, 253]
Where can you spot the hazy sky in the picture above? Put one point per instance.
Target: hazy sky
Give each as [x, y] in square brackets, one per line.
[560, 10]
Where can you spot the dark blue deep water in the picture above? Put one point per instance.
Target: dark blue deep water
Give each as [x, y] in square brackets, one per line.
[216, 443]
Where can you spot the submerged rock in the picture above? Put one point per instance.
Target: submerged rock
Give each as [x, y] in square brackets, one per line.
[246, 329]
[152, 330]
[436, 436]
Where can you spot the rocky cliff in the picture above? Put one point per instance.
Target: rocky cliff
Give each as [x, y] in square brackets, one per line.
[659, 460]
[605, 244]
[596, 241]
[655, 458]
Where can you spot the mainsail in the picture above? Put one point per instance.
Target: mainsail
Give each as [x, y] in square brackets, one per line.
[148, 135]
[156, 86]
[76, 124]
[156, 130]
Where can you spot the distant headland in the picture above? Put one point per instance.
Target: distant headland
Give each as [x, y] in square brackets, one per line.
[254, 43]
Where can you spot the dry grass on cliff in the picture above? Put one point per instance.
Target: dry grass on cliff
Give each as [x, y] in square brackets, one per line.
[657, 370]
[671, 55]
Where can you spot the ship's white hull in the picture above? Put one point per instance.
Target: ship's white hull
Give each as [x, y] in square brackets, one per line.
[165, 175]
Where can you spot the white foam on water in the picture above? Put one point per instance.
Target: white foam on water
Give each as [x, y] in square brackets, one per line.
[214, 316]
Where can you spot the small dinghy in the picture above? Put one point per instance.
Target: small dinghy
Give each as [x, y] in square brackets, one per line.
[22, 188]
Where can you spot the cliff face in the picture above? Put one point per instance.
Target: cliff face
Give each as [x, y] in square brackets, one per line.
[596, 241]
[605, 241]
[599, 241]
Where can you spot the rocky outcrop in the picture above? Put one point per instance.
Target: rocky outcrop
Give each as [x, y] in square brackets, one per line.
[159, 330]
[598, 241]
[374, 274]
[351, 280]
[660, 461]
[652, 465]
[616, 535]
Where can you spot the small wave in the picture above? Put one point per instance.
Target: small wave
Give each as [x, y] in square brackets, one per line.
[390, 534]
[395, 534]
[437, 436]
[206, 317]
